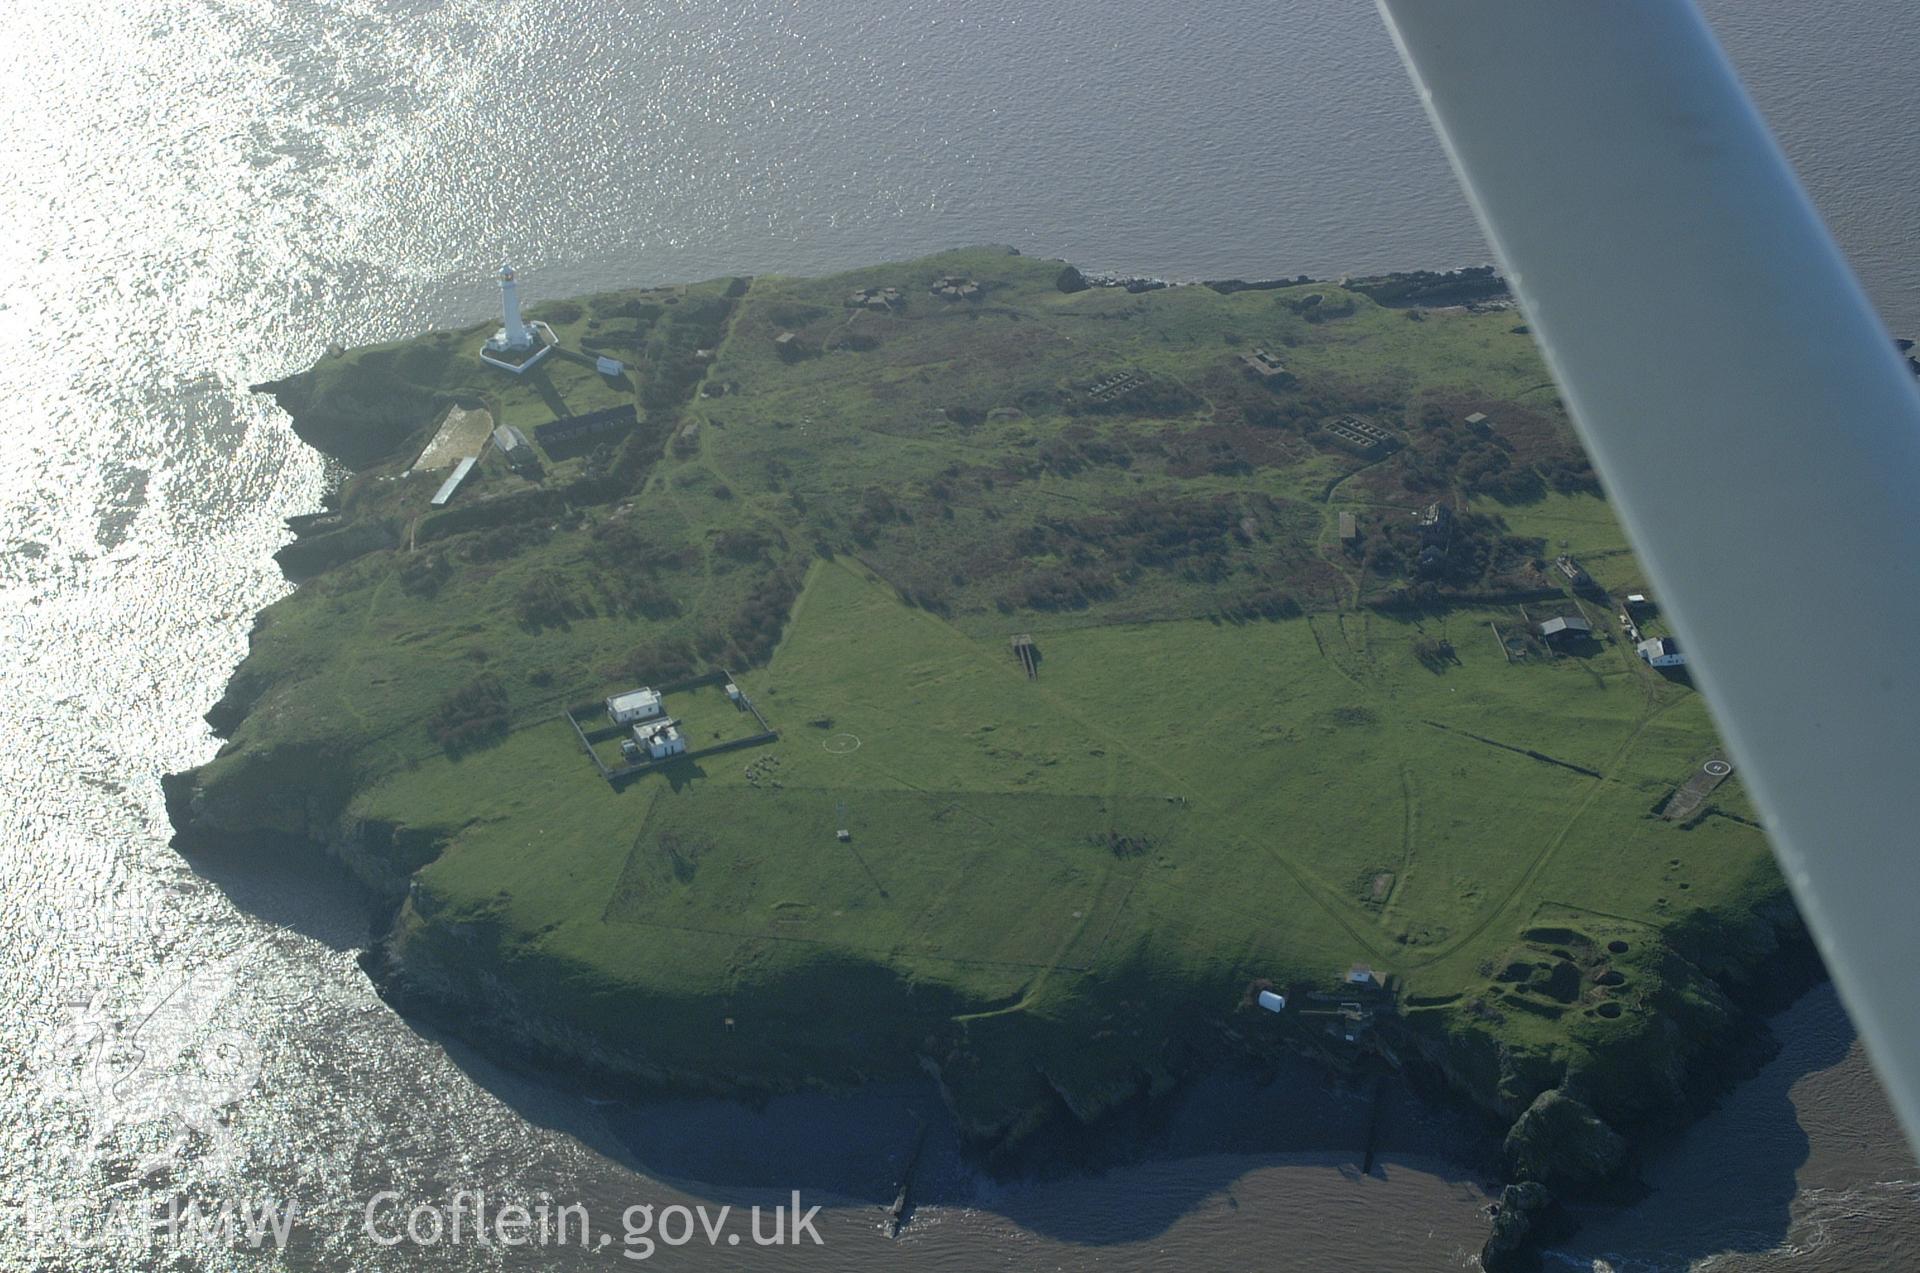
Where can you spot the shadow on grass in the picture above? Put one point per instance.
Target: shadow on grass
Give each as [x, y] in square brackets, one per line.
[543, 385]
[1727, 1184]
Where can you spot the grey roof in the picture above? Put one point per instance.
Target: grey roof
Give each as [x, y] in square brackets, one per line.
[1565, 623]
[508, 438]
[452, 484]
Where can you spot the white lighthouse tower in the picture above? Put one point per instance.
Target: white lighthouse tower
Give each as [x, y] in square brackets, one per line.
[518, 345]
[513, 333]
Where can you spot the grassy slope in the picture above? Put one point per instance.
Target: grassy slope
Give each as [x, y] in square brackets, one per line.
[1286, 796]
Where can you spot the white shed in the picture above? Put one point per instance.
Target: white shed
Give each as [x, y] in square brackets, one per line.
[733, 692]
[610, 366]
[634, 705]
[1271, 1001]
[1662, 652]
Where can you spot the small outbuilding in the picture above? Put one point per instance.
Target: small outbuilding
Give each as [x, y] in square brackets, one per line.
[733, 693]
[453, 483]
[1566, 627]
[1661, 652]
[1271, 1001]
[634, 705]
[1478, 420]
[515, 448]
[609, 366]
[1363, 975]
[1349, 528]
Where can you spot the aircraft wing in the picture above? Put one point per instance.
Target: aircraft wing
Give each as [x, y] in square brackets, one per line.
[1748, 413]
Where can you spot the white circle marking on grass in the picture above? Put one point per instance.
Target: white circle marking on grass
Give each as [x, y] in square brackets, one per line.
[841, 744]
[1718, 768]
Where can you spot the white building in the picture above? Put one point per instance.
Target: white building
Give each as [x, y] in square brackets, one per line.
[518, 346]
[452, 484]
[733, 693]
[609, 366]
[661, 738]
[1271, 1001]
[634, 705]
[1661, 652]
[1362, 975]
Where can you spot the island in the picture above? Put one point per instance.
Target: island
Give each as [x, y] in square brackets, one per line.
[1049, 684]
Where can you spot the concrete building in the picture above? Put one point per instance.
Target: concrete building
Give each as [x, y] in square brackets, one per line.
[1362, 975]
[1271, 1001]
[1263, 366]
[660, 738]
[634, 705]
[609, 366]
[955, 287]
[1661, 652]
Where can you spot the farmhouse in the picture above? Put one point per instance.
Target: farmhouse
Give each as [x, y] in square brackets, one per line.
[1567, 627]
[634, 705]
[1661, 652]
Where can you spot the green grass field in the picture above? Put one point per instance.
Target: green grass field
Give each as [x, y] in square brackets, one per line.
[1250, 752]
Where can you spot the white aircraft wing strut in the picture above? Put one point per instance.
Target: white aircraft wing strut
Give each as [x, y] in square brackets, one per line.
[1748, 414]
